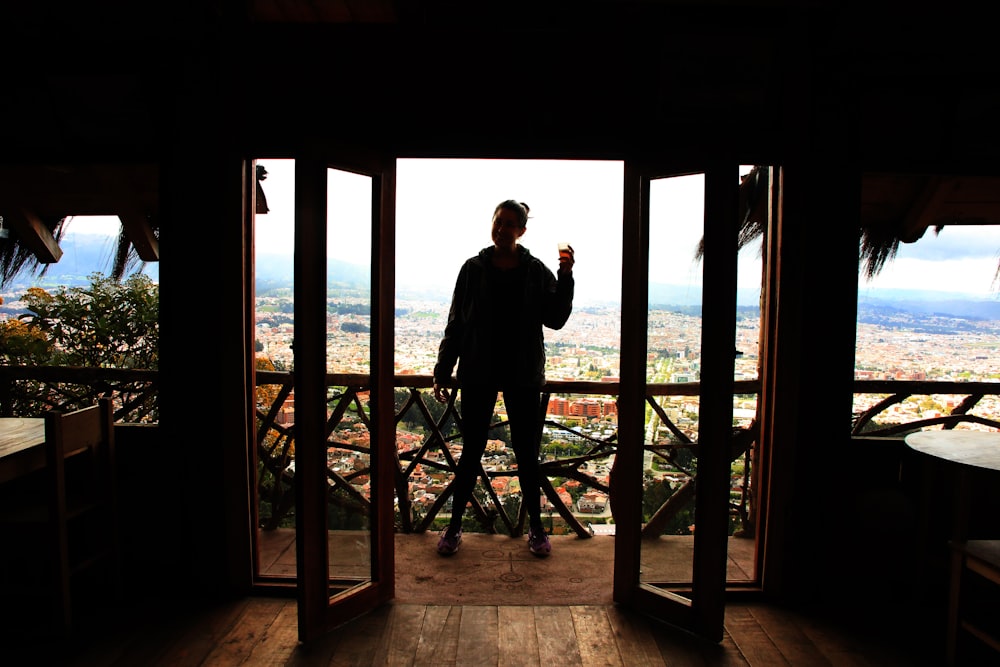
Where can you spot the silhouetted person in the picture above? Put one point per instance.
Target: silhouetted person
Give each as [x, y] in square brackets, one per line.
[503, 297]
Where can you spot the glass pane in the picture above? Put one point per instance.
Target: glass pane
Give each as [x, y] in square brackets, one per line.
[673, 344]
[755, 211]
[349, 304]
[673, 377]
[349, 324]
[274, 331]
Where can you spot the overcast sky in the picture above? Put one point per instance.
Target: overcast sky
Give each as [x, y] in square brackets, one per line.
[444, 209]
[959, 259]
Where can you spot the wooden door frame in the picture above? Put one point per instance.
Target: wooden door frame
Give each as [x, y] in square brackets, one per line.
[702, 614]
[318, 611]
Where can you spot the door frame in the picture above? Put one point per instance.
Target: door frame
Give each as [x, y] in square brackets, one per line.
[703, 613]
[318, 611]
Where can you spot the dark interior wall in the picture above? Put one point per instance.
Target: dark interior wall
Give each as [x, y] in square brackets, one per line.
[515, 89]
[152, 520]
[203, 323]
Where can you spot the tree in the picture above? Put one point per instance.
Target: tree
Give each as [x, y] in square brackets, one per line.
[105, 325]
[23, 345]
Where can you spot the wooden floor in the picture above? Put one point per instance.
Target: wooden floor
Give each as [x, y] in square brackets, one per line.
[263, 631]
[438, 618]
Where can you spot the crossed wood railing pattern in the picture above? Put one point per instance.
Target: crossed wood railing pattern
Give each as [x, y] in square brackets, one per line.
[433, 451]
[275, 446]
[30, 391]
[974, 393]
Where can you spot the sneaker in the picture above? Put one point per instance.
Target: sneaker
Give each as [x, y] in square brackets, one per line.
[538, 542]
[449, 542]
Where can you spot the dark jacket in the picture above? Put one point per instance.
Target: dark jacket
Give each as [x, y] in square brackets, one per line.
[546, 301]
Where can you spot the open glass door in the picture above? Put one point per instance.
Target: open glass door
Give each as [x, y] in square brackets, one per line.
[343, 351]
[679, 577]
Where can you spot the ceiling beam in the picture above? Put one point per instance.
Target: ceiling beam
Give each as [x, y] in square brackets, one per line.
[34, 235]
[922, 210]
[139, 232]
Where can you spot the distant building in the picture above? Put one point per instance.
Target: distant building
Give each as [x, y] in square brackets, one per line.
[592, 502]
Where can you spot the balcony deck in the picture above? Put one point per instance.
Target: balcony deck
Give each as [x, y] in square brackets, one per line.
[499, 570]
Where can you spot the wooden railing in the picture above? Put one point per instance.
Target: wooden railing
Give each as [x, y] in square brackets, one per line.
[30, 391]
[432, 451]
[896, 392]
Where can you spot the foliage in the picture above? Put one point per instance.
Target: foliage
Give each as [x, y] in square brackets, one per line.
[655, 493]
[105, 325]
[266, 394]
[21, 344]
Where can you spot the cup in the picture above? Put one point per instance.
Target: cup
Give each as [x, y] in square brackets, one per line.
[564, 250]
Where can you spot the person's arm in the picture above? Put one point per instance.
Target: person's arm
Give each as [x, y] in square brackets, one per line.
[558, 296]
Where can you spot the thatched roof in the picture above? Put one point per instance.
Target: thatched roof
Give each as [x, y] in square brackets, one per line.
[36, 200]
[895, 208]
[900, 208]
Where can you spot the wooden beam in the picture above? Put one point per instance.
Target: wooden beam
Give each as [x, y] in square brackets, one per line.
[33, 234]
[946, 201]
[140, 234]
[922, 210]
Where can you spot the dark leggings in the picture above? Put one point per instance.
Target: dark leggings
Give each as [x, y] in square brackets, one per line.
[523, 412]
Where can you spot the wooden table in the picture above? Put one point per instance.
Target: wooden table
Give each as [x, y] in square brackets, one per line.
[976, 449]
[22, 446]
[971, 453]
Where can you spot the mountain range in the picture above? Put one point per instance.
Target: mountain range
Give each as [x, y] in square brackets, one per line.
[87, 253]
[84, 254]
[874, 304]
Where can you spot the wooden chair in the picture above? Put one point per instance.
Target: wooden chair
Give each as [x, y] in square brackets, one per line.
[973, 597]
[60, 529]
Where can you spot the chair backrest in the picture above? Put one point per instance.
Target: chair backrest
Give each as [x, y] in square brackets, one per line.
[80, 448]
[85, 440]
[72, 506]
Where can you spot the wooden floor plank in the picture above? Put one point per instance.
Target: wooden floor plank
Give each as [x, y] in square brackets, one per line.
[557, 643]
[317, 653]
[449, 645]
[594, 637]
[358, 640]
[636, 643]
[518, 638]
[193, 639]
[435, 640]
[236, 646]
[264, 631]
[682, 649]
[846, 648]
[787, 635]
[280, 640]
[477, 637]
[402, 635]
[752, 641]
